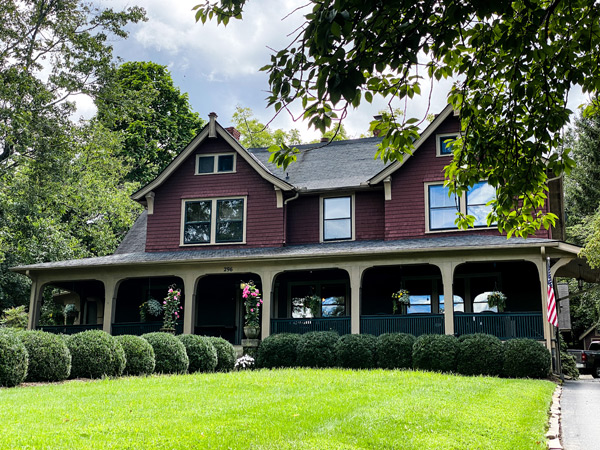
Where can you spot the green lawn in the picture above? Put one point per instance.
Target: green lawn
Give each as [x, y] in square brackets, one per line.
[289, 409]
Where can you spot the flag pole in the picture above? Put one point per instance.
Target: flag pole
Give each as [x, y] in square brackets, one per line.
[557, 336]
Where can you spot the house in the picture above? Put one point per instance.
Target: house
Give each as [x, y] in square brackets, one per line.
[337, 225]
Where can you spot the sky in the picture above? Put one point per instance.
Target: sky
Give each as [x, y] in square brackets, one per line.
[218, 67]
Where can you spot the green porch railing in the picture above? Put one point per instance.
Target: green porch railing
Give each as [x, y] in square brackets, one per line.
[415, 324]
[139, 328]
[301, 326]
[68, 329]
[503, 325]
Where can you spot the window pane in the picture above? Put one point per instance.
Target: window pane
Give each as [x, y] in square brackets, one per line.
[477, 197]
[197, 211]
[336, 208]
[480, 304]
[195, 233]
[337, 229]
[446, 147]
[443, 218]
[459, 304]
[419, 304]
[225, 163]
[230, 209]
[206, 164]
[334, 310]
[299, 294]
[438, 197]
[230, 231]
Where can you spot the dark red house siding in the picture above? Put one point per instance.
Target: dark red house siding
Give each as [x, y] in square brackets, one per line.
[405, 212]
[264, 221]
[370, 215]
[303, 220]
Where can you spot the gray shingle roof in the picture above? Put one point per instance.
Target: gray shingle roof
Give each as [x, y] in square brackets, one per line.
[338, 249]
[135, 239]
[339, 164]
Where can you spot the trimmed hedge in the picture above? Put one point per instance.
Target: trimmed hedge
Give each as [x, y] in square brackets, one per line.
[13, 359]
[356, 351]
[226, 354]
[317, 349]
[435, 352]
[169, 353]
[278, 350]
[526, 358]
[480, 354]
[49, 357]
[139, 355]
[202, 354]
[394, 350]
[95, 354]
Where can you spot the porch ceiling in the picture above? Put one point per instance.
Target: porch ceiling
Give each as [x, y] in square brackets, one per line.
[444, 244]
[579, 268]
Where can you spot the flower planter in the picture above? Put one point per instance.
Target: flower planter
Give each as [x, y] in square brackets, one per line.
[252, 332]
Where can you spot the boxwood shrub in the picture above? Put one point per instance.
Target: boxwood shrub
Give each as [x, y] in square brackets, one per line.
[394, 350]
[13, 360]
[226, 354]
[480, 354]
[202, 354]
[139, 355]
[169, 353]
[526, 358]
[278, 350]
[95, 354]
[435, 352]
[356, 351]
[317, 349]
[49, 357]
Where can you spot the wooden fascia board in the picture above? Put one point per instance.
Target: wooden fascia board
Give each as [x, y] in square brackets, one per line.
[140, 195]
[433, 126]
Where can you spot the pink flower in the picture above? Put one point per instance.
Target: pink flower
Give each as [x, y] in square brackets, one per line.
[261, 301]
[165, 302]
[181, 307]
[257, 292]
[245, 295]
[258, 305]
[170, 291]
[254, 294]
[251, 310]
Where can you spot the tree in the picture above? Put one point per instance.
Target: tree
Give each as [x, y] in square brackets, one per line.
[254, 134]
[338, 133]
[50, 50]
[155, 118]
[514, 64]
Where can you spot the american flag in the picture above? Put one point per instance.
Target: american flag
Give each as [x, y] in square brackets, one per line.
[551, 312]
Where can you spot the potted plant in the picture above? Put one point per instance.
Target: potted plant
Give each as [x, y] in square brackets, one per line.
[497, 299]
[70, 313]
[171, 308]
[313, 302]
[400, 301]
[252, 305]
[151, 307]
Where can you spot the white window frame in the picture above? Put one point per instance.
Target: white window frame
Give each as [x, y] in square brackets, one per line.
[462, 205]
[438, 147]
[215, 163]
[322, 218]
[213, 220]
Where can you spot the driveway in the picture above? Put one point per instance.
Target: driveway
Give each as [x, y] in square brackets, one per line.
[580, 414]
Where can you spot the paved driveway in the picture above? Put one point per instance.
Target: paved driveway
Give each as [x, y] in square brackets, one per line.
[580, 414]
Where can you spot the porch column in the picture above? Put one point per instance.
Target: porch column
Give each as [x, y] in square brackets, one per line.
[35, 304]
[110, 298]
[447, 269]
[189, 309]
[267, 296]
[355, 273]
[547, 326]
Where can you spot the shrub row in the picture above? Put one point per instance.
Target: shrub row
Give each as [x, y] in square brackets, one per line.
[476, 354]
[41, 356]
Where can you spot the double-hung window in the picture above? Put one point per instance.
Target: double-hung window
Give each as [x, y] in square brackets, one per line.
[337, 218]
[218, 163]
[442, 207]
[213, 221]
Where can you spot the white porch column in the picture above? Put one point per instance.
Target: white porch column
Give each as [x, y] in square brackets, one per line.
[35, 304]
[189, 309]
[267, 296]
[447, 269]
[547, 326]
[355, 273]
[110, 298]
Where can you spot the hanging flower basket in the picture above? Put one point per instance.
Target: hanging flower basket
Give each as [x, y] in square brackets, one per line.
[400, 301]
[497, 299]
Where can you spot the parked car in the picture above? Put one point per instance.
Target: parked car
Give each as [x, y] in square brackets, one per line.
[588, 361]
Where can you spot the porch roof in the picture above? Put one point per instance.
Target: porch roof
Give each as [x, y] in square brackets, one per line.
[338, 249]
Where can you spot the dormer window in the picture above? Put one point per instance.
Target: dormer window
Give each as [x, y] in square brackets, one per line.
[213, 221]
[218, 163]
[444, 144]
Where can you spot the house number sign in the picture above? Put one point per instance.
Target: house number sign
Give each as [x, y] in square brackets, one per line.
[227, 269]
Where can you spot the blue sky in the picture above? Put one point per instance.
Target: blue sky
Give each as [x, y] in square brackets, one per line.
[218, 66]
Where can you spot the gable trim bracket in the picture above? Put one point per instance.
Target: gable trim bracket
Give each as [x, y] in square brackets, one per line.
[387, 188]
[150, 202]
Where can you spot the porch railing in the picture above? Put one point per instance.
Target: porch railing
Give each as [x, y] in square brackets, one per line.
[503, 325]
[139, 328]
[301, 326]
[411, 324]
[68, 329]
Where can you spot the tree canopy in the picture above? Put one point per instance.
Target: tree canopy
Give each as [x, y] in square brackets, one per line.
[156, 119]
[514, 64]
[255, 134]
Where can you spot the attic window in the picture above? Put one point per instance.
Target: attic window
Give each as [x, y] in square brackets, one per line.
[219, 163]
[444, 144]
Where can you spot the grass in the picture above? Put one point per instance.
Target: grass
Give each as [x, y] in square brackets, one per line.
[286, 409]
